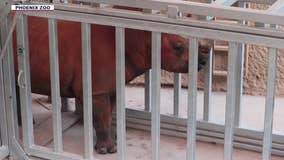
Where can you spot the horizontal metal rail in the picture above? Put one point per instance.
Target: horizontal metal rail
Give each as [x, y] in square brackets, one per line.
[164, 18]
[200, 9]
[270, 38]
[206, 131]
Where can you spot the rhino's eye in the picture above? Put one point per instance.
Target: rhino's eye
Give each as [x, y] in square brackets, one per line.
[178, 48]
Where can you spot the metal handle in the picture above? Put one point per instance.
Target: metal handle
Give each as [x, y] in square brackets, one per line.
[19, 78]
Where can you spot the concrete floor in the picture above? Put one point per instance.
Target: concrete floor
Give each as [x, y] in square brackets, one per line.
[139, 142]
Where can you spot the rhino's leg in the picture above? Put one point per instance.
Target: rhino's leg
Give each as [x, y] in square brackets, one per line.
[102, 112]
[113, 105]
[78, 107]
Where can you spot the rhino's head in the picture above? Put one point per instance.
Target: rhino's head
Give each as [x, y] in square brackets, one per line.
[175, 53]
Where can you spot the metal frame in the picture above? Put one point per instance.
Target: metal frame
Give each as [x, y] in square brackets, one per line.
[230, 134]
[4, 151]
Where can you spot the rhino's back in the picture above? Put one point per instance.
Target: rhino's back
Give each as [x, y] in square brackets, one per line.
[70, 61]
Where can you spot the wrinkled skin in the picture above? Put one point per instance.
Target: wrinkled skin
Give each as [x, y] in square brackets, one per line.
[174, 58]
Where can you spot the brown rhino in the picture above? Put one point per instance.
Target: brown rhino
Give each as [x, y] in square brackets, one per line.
[174, 58]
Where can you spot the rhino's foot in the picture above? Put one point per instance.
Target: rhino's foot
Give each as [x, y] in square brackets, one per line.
[104, 148]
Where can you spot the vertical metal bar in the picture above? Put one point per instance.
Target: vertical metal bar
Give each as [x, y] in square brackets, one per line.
[208, 87]
[155, 89]
[120, 91]
[25, 86]
[9, 81]
[148, 96]
[87, 90]
[239, 83]
[239, 72]
[3, 118]
[269, 104]
[192, 98]
[231, 99]
[177, 93]
[55, 85]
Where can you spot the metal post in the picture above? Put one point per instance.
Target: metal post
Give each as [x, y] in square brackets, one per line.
[9, 81]
[147, 82]
[148, 96]
[192, 98]
[87, 90]
[177, 93]
[120, 91]
[269, 104]
[230, 100]
[24, 82]
[155, 90]
[240, 74]
[55, 85]
[208, 87]
[239, 83]
[3, 118]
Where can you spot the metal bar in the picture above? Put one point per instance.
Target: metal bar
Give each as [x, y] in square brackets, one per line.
[243, 34]
[239, 75]
[269, 104]
[44, 152]
[9, 81]
[156, 86]
[17, 150]
[161, 18]
[177, 93]
[55, 85]
[239, 83]
[208, 87]
[192, 98]
[25, 86]
[200, 9]
[3, 116]
[147, 82]
[87, 90]
[230, 100]
[248, 139]
[148, 96]
[120, 91]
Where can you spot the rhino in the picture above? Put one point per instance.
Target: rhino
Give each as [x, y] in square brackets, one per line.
[174, 58]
